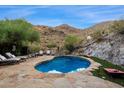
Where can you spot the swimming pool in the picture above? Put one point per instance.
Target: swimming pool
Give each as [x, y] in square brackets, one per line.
[63, 64]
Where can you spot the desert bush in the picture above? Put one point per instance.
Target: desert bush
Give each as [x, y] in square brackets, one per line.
[33, 47]
[71, 42]
[118, 26]
[51, 45]
[98, 35]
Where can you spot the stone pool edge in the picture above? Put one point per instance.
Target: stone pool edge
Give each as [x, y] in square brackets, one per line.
[94, 65]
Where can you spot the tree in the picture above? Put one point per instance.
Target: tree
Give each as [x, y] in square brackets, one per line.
[17, 32]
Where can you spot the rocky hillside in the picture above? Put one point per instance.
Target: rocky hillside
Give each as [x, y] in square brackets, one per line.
[54, 36]
[111, 48]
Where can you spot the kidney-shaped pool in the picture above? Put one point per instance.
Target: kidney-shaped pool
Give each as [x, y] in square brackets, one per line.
[63, 64]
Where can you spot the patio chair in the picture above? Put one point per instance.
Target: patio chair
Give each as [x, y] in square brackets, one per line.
[10, 55]
[48, 52]
[5, 61]
[40, 53]
[52, 52]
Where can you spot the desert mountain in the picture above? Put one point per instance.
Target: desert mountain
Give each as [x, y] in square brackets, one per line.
[67, 29]
[56, 35]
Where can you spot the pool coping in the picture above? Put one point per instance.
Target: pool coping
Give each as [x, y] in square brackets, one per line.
[94, 65]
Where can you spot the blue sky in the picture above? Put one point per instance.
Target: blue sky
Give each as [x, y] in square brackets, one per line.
[77, 16]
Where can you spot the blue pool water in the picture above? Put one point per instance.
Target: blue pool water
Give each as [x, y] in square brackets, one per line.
[63, 64]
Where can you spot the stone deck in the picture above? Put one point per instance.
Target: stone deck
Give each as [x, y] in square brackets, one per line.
[24, 75]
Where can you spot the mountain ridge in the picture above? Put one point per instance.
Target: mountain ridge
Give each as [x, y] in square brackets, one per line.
[58, 33]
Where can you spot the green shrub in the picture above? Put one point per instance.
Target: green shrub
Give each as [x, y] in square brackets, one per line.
[34, 47]
[51, 45]
[71, 42]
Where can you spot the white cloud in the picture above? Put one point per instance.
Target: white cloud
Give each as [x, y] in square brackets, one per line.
[19, 11]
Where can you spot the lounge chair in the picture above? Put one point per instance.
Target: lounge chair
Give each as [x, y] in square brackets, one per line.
[52, 52]
[48, 52]
[40, 53]
[36, 54]
[9, 55]
[32, 55]
[5, 61]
